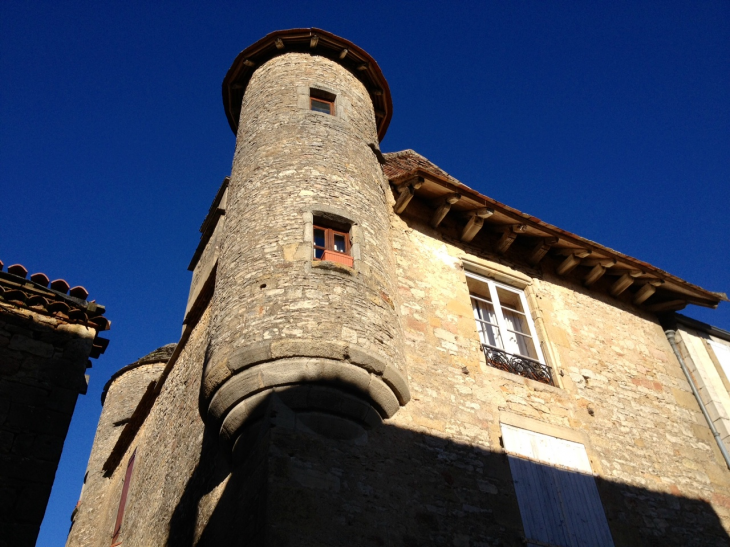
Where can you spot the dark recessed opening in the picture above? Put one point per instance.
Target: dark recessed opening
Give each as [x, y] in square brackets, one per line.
[321, 101]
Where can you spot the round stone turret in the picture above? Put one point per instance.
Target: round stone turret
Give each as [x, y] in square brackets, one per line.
[147, 369]
[304, 296]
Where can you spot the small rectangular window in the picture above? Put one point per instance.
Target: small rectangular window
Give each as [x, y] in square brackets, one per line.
[318, 105]
[329, 239]
[322, 101]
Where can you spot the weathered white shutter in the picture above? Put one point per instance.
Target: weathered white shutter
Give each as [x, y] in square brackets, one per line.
[722, 352]
[560, 506]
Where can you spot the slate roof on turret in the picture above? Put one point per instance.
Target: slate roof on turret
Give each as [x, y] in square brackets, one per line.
[407, 165]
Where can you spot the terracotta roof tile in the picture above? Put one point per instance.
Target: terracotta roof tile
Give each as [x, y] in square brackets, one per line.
[398, 164]
[34, 294]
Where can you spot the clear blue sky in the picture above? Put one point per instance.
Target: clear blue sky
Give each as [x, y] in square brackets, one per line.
[609, 119]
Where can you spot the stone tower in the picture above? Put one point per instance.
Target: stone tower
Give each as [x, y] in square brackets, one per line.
[321, 332]
[312, 288]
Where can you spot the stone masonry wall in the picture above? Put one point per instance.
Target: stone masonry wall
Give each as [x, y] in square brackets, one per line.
[42, 365]
[622, 389]
[168, 449]
[99, 501]
[436, 474]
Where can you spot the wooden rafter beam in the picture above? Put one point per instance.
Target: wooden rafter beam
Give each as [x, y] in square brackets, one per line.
[572, 260]
[508, 237]
[624, 282]
[406, 192]
[476, 221]
[541, 249]
[313, 41]
[598, 270]
[646, 291]
[443, 206]
[669, 305]
[279, 43]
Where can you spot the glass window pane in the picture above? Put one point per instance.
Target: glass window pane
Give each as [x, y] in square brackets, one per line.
[489, 335]
[321, 106]
[515, 321]
[520, 344]
[318, 253]
[340, 243]
[319, 237]
[486, 321]
[510, 299]
[483, 310]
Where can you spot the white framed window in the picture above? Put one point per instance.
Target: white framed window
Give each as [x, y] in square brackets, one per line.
[502, 318]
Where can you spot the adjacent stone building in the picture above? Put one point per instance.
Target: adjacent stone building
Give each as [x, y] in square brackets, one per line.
[48, 332]
[374, 353]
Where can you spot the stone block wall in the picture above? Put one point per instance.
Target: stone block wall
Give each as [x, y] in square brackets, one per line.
[99, 498]
[42, 365]
[618, 384]
[436, 473]
[168, 450]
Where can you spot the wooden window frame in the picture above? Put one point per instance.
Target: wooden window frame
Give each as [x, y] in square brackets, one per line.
[123, 501]
[329, 240]
[331, 104]
[322, 96]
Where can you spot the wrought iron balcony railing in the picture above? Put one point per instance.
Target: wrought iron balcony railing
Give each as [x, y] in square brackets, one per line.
[517, 364]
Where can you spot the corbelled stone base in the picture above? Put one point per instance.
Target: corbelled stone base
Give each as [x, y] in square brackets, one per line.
[326, 381]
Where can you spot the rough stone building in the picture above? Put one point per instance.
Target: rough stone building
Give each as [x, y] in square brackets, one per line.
[373, 353]
[47, 334]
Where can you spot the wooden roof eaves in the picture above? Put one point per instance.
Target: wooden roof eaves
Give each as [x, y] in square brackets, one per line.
[697, 295]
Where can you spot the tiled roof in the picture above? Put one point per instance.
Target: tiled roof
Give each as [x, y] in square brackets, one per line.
[53, 298]
[398, 164]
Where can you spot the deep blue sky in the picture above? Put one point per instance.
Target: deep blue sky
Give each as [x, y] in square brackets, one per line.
[609, 119]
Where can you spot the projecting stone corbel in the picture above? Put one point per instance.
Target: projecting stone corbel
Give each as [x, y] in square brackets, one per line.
[599, 268]
[624, 282]
[541, 249]
[509, 236]
[443, 206]
[406, 192]
[572, 260]
[646, 291]
[476, 221]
